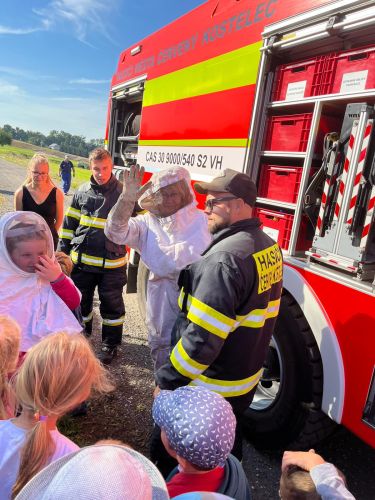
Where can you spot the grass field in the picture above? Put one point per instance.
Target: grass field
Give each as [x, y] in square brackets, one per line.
[22, 155]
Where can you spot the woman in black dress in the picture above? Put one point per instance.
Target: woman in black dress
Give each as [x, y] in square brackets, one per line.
[39, 194]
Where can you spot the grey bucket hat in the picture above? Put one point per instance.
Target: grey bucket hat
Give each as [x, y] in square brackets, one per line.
[99, 472]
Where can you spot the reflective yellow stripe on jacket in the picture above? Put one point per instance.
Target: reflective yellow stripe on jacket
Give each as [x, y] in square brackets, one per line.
[73, 212]
[208, 318]
[97, 222]
[66, 233]
[228, 388]
[257, 317]
[184, 364]
[91, 260]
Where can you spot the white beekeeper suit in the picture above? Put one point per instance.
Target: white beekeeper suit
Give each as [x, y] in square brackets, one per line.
[170, 236]
[24, 296]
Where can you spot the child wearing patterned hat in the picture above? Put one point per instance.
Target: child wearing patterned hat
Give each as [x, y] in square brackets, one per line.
[198, 429]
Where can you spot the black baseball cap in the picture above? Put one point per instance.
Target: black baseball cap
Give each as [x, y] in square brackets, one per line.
[230, 181]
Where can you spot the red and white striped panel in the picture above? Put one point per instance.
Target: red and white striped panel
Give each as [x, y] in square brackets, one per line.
[361, 164]
[368, 219]
[348, 158]
[326, 198]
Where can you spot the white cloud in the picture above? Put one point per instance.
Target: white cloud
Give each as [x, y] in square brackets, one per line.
[23, 73]
[5, 30]
[85, 16]
[88, 81]
[8, 89]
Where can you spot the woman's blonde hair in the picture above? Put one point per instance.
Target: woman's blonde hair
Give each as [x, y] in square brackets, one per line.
[10, 338]
[58, 374]
[37, 159]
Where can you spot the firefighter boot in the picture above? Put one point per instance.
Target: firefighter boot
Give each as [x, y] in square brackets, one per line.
[107, 354]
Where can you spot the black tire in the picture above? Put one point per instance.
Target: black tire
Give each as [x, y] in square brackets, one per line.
[142, 279]
[291, 416]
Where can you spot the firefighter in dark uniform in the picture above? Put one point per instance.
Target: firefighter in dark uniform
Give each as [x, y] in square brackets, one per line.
[97, 261]
[229, 301]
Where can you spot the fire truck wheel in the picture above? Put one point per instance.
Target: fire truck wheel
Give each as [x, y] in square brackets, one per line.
[286, 407]
[142, 279]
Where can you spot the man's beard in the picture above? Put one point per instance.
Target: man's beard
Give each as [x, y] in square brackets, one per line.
[215, 227]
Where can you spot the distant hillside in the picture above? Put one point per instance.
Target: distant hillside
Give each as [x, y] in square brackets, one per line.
[48, 151]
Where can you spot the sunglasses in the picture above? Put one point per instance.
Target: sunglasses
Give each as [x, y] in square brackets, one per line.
[39, 174]
[209, 204]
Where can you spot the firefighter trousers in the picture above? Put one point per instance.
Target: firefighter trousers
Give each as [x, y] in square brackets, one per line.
[110, 284]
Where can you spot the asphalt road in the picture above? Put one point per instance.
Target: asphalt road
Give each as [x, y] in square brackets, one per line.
[346, 451]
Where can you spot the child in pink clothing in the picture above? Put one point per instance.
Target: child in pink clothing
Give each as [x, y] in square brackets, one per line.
[33, 289]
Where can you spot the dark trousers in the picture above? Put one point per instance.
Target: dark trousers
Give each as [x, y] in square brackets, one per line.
[110, 285]
[66, 181]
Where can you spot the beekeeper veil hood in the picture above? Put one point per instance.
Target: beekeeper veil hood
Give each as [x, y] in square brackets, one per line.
[24, 296]
[24, 237]
[169, 191]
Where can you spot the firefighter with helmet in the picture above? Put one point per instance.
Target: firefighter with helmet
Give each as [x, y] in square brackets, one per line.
[98, 262]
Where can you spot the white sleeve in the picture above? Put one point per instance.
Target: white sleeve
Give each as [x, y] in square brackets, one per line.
[132, 233]
[329, 484]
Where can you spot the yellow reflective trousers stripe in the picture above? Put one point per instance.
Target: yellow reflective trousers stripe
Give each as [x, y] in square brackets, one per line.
[114, 322]
[228, 388]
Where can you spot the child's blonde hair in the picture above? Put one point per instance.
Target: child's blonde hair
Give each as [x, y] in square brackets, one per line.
[37, 159]
[10, 338]
[297, 484]
[58, 374]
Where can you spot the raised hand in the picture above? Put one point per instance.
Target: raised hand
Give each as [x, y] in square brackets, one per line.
[47, 268]
[132, 182]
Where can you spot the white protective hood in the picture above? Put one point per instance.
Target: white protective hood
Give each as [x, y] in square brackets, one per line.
[24, 296]
[176, 240]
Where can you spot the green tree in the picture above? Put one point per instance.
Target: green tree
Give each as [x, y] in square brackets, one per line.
[5, 138]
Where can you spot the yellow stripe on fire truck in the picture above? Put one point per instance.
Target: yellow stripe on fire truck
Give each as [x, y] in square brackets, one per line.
[192, 80]
[184, 364]
[228, 388]
[91, 260]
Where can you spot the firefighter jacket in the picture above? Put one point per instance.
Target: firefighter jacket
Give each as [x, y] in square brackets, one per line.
[82, 235]
[229, 302]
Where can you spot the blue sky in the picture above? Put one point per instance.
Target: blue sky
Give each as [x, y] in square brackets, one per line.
[57, 57]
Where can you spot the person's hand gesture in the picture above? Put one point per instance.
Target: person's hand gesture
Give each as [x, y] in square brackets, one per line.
[304, 459]
[47, 268]
[132, 182]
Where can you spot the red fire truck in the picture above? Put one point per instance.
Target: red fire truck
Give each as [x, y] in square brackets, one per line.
[284, 91]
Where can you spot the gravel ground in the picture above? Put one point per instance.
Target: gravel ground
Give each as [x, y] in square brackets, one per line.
[125, 414]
